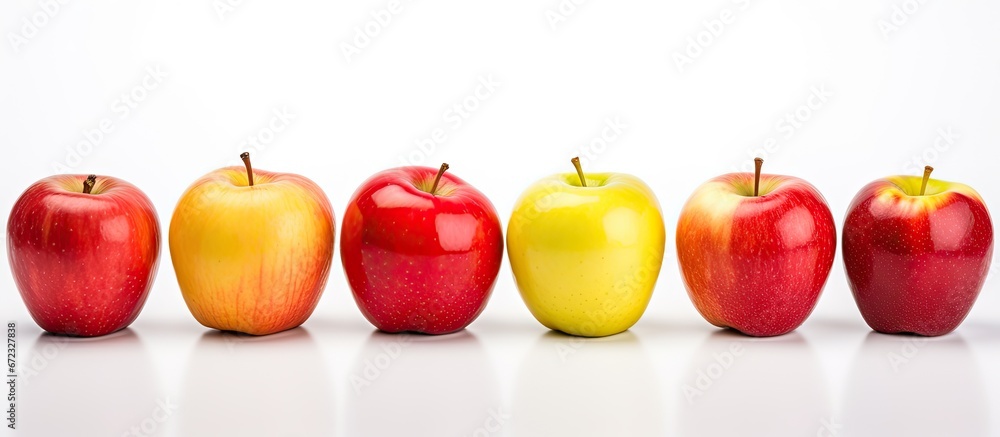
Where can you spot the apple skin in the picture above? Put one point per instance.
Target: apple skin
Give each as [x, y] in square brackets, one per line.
[916, 264]
[84, 263]
[416, 261]
[756, 264]
[586, 259]
[252, 259]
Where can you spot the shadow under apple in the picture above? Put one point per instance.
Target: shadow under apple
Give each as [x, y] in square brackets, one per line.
[421, 385]
[97, 386]
[574, 386]
[243, 385]
[912, 385]
[740, 385]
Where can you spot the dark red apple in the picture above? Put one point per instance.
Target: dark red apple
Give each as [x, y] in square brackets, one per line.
[84, 252]
[421, 250]
[917, 252]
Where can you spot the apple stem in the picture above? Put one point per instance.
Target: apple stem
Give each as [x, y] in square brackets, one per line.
[758, 163]
[245, 156]
[437, 179]
[88, 184]
[579, 170]
[927, 175]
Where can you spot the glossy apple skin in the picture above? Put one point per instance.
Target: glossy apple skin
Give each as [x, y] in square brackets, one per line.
[916, 264]
[586, 259]
[420, 262]
[84, 263]
[252, 259]
[756, 264]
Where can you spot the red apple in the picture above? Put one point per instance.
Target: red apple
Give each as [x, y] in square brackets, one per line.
[755, 251]
[84, 252]
[916, 252]
[421, 250]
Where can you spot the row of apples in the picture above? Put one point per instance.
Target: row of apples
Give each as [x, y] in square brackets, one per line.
[422, 248]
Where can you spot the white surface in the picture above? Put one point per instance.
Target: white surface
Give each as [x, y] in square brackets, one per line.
[557, 87]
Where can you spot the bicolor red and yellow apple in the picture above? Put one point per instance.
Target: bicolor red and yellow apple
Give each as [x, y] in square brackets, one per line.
[586, 250]
[917, 252]
[84, 252]
[421, 250]
[755, 251]
[252, 249]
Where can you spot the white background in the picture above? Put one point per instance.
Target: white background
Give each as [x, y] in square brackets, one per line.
[228, 71]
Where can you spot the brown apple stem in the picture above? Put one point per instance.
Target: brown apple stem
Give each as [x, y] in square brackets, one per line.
[579, 170]
[437, 179]
[927, 175]
[88, 184]
[245, 156]
[758, 163]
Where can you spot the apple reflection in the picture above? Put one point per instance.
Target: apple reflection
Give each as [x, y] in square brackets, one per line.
[99, 386]
[245, 385]
[739, 385]
[912, 385]
[420, 385]
[573, 386]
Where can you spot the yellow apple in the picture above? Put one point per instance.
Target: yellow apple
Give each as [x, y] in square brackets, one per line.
[586, 250]
[252, 249]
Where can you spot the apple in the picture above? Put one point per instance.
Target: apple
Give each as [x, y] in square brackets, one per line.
[585, 250]
[916, 253]
[252, 249]
[421, 250]
[84, 252]
[755, 251]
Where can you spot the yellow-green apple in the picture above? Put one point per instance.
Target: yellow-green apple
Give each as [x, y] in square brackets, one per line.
[916, 252]
[421, 250]
[84, 252]
[586, 250]
[755, 251]
[252, 249]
